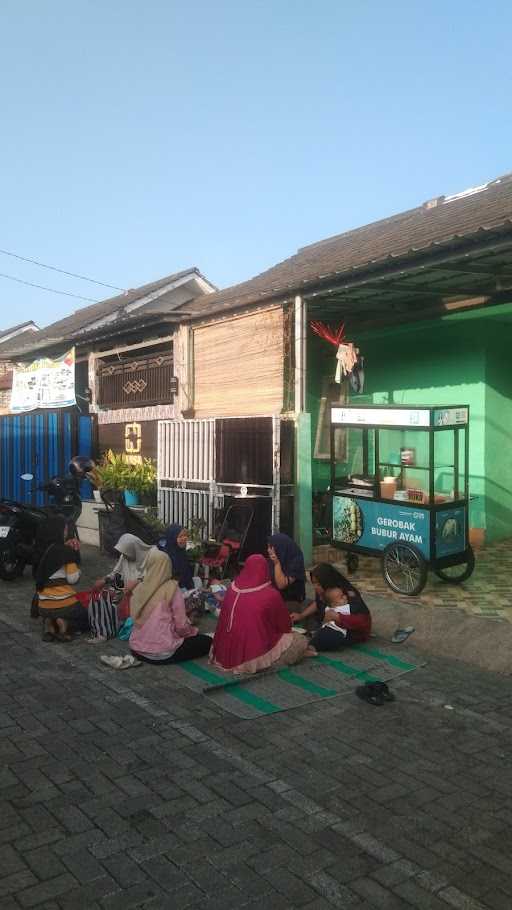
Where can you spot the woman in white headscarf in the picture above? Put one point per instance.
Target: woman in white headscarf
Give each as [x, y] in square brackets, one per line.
[133, 553]
[108, 602]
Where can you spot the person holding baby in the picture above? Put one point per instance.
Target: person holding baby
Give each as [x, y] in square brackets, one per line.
[343, 615]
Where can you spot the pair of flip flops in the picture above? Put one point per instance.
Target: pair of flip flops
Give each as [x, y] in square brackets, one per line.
[120, 663]
[375, 693]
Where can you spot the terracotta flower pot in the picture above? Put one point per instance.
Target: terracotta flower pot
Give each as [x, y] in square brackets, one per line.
[477, 538]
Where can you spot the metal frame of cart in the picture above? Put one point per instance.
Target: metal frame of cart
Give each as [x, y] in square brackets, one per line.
[417, 528]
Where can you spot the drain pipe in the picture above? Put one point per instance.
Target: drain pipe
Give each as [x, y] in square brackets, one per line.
[303, 511]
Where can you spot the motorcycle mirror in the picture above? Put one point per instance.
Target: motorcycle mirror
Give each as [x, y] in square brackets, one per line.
[26, 476]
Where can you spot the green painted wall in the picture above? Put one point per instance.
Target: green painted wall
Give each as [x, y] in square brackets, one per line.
[457, 360]
[498, 432]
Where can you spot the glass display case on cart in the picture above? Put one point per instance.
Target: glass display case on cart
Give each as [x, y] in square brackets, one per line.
[400, 490]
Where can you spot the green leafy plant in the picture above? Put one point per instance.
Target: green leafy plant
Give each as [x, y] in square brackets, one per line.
[142, 478]
[196, 529]
[115, 473]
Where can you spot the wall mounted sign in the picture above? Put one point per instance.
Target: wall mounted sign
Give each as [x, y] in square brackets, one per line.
[134, 439]
[44, 383]
[133, 443]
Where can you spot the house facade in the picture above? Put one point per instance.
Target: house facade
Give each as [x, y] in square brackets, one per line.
[425, 295]
[230, 389]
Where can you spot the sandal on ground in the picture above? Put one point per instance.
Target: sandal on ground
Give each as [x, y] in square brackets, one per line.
[47, 636]
[402, 635]
[129, 661]
[376, 693]
[120, 663]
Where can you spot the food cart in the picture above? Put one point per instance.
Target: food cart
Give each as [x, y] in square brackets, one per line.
[400, 490]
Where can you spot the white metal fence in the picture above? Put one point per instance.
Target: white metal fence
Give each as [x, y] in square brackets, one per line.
[186, 455]
[186, 450]
[187, 487]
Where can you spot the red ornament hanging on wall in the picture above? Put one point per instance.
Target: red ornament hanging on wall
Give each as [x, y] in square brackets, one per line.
[349, 361]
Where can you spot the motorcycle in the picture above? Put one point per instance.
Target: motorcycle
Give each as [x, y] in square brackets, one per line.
[20, 523]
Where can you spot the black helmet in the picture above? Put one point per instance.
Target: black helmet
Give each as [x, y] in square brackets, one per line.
[54, 485]
[81, 465]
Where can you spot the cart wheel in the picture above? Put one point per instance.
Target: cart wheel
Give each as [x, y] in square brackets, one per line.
[404, 568]
[352, 562]
[455, 575]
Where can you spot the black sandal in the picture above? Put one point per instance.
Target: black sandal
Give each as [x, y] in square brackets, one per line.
[376, 693]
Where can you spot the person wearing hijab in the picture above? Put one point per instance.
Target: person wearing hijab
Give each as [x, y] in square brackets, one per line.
[162, 632]
[132, 555]
[56, 573]
[107, 602]
[254, 629]
[174, 544]
[341, 611]
[287, 568]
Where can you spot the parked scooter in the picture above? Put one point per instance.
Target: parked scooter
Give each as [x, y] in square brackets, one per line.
[20, 523]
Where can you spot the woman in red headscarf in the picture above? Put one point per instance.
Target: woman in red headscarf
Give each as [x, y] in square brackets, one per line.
[254, 631]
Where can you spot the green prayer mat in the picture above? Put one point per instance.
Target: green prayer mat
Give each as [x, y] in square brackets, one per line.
[326, 676]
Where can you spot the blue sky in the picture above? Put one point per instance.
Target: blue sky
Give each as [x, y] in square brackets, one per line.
[141, 138]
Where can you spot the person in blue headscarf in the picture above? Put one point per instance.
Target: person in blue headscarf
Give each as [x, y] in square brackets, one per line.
[175, 545]
[287, 568]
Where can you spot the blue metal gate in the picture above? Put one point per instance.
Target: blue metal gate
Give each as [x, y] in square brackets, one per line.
[41, 444]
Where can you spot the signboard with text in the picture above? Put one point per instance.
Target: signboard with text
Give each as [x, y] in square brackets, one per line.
[382, 417]
[45, 383]
[374, 525]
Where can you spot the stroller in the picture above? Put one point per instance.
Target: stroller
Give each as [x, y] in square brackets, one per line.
[119, 519]
[223, 555]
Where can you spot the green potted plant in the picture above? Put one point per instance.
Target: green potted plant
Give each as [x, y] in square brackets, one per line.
[141, 482]
[111, 474]
[118, 476]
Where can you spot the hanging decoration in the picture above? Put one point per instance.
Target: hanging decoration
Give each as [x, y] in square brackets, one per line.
[350, 364]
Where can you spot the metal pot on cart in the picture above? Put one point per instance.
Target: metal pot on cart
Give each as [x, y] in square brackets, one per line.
[400, 491]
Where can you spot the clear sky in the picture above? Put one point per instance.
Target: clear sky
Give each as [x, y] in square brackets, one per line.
[140, 137]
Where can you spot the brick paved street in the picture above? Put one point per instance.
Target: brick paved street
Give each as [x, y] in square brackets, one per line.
[118, 790]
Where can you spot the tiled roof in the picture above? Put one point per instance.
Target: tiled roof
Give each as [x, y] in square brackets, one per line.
[17, 328]
[78, 321]
[442, 221]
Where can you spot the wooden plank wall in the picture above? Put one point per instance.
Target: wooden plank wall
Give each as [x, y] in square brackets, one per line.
[238, 365]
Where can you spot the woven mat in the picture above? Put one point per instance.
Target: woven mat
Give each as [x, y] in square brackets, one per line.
[325, 676]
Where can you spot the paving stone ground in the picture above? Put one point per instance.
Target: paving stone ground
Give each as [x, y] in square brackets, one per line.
[118, 790]
[486, 594]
